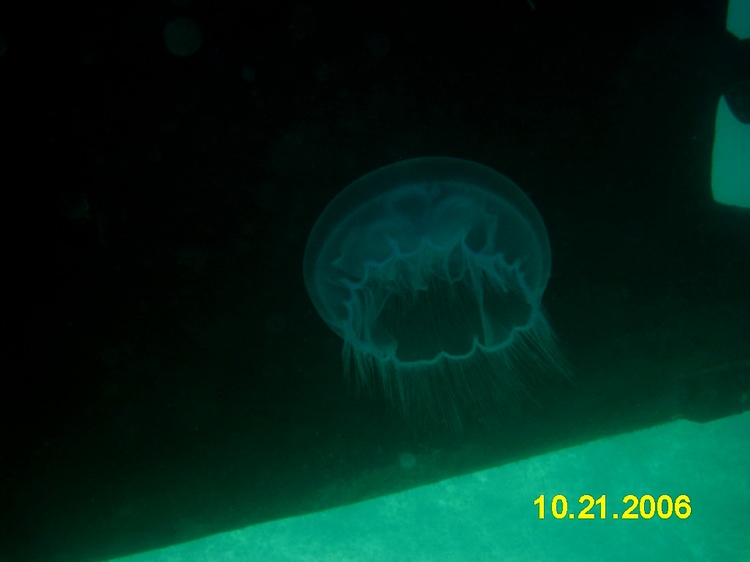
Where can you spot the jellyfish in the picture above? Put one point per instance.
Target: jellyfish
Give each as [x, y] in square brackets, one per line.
[432, 271]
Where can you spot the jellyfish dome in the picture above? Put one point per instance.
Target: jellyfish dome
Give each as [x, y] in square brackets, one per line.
[432, 271]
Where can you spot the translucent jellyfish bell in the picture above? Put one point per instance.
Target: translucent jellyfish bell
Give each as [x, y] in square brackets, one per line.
[432, 271]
